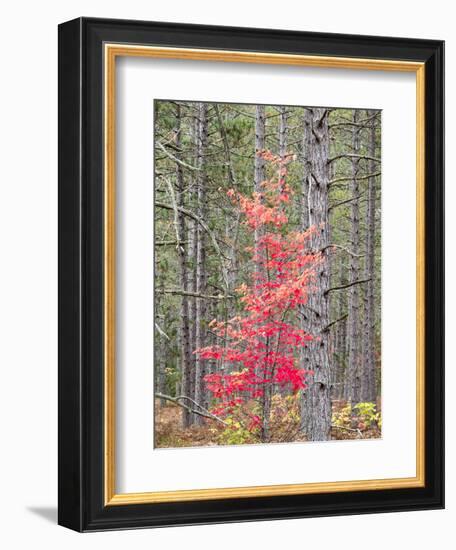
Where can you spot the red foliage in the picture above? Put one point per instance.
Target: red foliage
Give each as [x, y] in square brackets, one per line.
[262, 344]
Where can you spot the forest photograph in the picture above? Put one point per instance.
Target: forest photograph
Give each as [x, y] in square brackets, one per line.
[267, 283]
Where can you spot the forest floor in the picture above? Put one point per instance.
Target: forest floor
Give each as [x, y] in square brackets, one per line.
[169, 432]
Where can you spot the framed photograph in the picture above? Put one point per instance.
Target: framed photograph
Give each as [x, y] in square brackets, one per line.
[251, 288]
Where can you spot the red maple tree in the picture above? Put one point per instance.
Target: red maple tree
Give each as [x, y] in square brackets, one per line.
[261, 346]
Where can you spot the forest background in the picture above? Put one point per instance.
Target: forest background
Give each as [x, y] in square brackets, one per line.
[221, 172]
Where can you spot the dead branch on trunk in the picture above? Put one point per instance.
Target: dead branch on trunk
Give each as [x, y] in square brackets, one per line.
[345, 249]
[206, 228]
[202, 412]
[357, 430]
[180, 292]
[347, 201]
[349, 178]
[327, 327]
[169, 243]
[175, 159]
[348, 285]
[353, 156]
[162, 332]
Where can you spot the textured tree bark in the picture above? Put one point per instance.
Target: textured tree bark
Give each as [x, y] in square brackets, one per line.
[160, 347]
[283, 131]
[198, 228]
[191, 255]
[316, 401]
[304, 203]
[331, 282]
[341, 333]
[368, 382]
[191, 300]
[306, 144]
[352, 389]
[201, 276]
[183, 275]
[283, 144]
[266, 412]
[259, 176]
[260, 121]
[231, 228]
[161, 380]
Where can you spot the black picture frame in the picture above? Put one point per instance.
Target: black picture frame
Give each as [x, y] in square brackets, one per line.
[81, 399]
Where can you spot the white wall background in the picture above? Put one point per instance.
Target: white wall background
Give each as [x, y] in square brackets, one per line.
[28, 273]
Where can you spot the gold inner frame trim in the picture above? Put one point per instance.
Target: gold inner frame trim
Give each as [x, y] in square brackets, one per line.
[111, 52]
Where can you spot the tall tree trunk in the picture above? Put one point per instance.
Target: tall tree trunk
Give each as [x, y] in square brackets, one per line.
[160, 347]
[368, 383]
[183, 275]
[283, 131]
[259, 176]
[306, 319]
[260, 122]
[231, 229]
[316, 405]
[331, 263]
[191, 256]
[283, 144]
[306, 145]
[341, 332]
[353, 371]
[201, 276]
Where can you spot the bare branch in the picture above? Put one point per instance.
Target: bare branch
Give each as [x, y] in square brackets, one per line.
[340, 247]
[306, 306]
[349, 178]
[348, 285]
[327, 327]
[169, 243]
[325, 113]
[177, 401]
[341, 203]
[353, 156]
[175, 159]
[175, 210]
[180, 292]
[240, 112]
[361, 122]
[162, 332]
[357, 430]
[206, 228]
